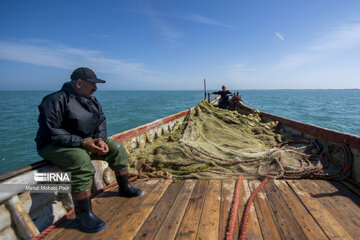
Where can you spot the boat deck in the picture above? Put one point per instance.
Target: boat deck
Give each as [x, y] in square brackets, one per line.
[199, 209]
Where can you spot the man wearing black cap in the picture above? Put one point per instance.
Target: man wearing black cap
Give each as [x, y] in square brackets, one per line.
[72, 131]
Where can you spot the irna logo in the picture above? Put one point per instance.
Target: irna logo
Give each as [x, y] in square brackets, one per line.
[52, 177]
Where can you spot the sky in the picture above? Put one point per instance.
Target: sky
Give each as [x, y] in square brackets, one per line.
[174, 45]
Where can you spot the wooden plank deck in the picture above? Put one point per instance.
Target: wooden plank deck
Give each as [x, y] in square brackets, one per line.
[199, 209]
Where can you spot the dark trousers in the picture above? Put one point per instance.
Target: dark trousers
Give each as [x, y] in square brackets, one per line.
[224, 104]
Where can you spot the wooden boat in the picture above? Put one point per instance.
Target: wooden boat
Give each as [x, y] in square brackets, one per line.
[193, 209]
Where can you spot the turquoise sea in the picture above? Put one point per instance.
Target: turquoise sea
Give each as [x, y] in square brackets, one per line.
[333, 109]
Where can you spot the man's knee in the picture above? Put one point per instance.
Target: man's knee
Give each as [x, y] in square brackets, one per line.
[116, 149]
[117, 156]
[113, 145]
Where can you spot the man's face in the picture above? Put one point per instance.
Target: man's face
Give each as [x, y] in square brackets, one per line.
[86, 88]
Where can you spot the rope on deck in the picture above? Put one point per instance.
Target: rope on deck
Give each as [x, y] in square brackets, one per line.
[245, 219]
[52, 226]
[234, 209]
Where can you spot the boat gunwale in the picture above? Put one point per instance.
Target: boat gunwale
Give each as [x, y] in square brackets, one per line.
[127, 135]
[322, 133]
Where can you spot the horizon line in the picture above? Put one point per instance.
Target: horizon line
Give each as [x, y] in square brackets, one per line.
[245, 89]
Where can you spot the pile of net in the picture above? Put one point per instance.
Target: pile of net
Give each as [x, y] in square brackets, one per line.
[214, 143]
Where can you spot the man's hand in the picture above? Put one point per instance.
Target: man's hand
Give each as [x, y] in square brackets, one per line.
[96, 146]
[103, 146]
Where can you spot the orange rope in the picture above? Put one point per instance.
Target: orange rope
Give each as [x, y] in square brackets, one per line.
[234, 209]
[246, 213]
[52, 226]
[103, 189]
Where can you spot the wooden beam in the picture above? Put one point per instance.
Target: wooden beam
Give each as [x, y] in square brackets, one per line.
[340, 206]
[323, 217]
[210, 218]
[265, 214]
[189, 225]
[308, 224]
[173, 219]
[131, 222]
[227, 195]
[157, 216]
[283, 215]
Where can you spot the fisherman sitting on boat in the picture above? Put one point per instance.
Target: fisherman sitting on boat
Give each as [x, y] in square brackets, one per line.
[224, 98]
[72, 131]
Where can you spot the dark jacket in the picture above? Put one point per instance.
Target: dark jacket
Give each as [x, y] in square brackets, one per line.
[66, 119]
[223, 94]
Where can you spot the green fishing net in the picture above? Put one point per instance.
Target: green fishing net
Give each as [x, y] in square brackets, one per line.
[214, 143]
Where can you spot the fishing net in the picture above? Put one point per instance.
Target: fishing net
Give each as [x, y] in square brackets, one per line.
[214, 143]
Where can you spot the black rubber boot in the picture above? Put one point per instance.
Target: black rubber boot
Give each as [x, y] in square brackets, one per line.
[125, 189]
[86, 220]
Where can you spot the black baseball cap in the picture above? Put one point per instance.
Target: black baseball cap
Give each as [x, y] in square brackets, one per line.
[87, 74]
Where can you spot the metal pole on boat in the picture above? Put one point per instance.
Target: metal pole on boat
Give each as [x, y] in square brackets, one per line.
[205, 88]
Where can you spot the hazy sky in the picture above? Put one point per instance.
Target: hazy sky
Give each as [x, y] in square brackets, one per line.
[168, 44]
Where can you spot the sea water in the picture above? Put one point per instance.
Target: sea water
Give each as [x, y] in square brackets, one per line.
[334, 109]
